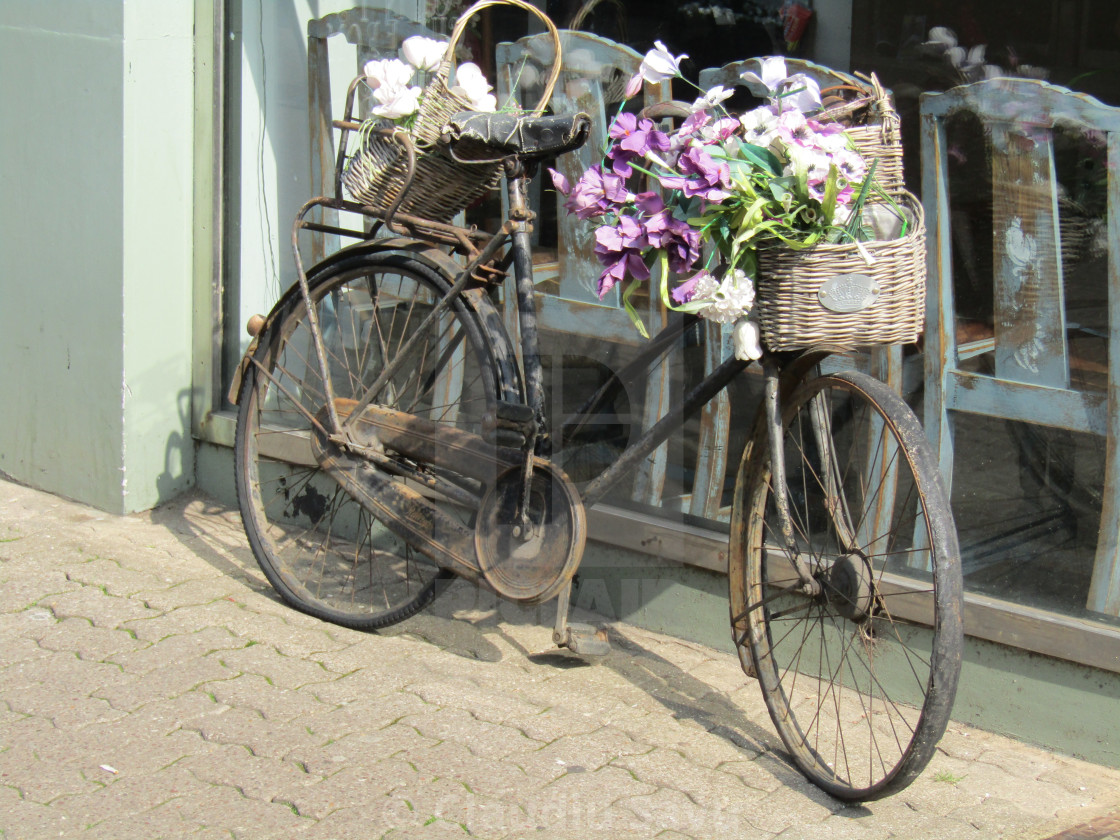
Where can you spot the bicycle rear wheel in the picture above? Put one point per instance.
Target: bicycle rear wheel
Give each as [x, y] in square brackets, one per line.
[317, 546]
[859, 677]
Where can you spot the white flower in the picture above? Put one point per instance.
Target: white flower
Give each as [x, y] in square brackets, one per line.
[797, 91]
[711, 99]
[423, 53]
[760, 126]
[471, 85]
[396, 102]
[728, 300]
[773, 74]
[802, 93]
[387, 72]
[747, 340]
[660, 64]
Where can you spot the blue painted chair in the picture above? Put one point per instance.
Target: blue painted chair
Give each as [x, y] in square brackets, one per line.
[1018, 365]
[372, 33]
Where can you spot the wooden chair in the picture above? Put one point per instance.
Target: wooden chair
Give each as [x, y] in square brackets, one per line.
[1019, 368]
[374, 33]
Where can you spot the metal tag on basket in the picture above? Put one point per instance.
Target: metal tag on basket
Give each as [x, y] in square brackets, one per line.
[848, 292]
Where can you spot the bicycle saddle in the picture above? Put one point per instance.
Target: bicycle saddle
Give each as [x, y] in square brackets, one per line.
[477, 136]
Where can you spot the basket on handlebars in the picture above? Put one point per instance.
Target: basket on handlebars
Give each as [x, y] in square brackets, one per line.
[847, 295]
[377, 172]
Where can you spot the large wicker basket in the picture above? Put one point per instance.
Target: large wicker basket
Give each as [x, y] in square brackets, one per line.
[377, 172]
[832, 295]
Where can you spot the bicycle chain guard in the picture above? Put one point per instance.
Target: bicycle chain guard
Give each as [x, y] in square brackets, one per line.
[530, 568]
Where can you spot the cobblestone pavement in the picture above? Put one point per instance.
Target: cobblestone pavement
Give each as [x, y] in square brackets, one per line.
[151, 685]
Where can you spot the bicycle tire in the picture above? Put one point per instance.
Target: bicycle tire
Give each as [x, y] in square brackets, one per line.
[859, 679]
[322, 552]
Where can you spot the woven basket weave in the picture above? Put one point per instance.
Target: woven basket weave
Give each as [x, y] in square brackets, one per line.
[874, 126]
[377, 172]
[793, 305]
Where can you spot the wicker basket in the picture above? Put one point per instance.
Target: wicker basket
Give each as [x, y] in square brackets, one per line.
[870, 120]
[377, 172]
[831, 294]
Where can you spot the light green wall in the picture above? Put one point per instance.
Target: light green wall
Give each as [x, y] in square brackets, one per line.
[95, 233]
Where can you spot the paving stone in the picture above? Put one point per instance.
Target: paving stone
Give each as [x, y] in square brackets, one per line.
[123, 795]
[579, 753]
[256, 777]
[282, 671]
[222, 807]
[432, 799]
[249, 729]
[94, 604]
[668, 809]
[369, 715]
[478, 775]
[380, 815]
[350, 787]
[175, 649]
[708, 788]
[252, 691]
[115, 579]
[190, 593]
[484, 739]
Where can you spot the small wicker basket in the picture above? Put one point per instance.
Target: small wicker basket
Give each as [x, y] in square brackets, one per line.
[870, 120]
[832, 295]
[377, 172]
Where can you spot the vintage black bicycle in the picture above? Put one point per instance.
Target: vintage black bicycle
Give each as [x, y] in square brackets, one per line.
[391, 436]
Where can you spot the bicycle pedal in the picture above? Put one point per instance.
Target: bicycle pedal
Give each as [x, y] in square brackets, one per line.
[587, 641]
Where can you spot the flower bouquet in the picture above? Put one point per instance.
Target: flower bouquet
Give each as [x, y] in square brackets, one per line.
[703, 203]
[436, 186]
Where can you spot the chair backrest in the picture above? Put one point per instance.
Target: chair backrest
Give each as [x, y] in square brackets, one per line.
[731, 74]
[1026, 174]
[1011, 149]
[593, 76]
[374, 33]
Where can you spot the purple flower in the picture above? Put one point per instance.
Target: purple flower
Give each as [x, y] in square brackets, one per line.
[635, 139]
[597, 192]
[676, 237]
[684, 292]
[619, 248]
[559, 181]
[701, 176]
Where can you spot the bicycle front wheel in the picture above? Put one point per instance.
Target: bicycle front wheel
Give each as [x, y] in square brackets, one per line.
[859, 664]
[323, 552]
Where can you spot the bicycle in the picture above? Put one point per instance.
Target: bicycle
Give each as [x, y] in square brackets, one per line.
[389, 439]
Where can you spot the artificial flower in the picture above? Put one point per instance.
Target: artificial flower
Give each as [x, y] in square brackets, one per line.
[723, 301]
[746, 340]
[711, 99]
[799, 92]
[423, 53]
[395, 103]
[659, 64]
[471, 85]
[387, 72]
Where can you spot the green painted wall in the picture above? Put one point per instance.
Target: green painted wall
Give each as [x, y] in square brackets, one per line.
[95, 233]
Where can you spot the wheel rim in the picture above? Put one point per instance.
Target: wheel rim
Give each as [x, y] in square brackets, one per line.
[319, 548]
[858, 689]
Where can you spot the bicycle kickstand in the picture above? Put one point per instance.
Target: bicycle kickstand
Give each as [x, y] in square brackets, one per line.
[576, 637]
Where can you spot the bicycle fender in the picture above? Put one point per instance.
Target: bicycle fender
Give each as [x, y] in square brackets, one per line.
[438, 261]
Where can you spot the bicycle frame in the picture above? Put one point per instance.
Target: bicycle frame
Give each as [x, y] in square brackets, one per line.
[483, 250]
